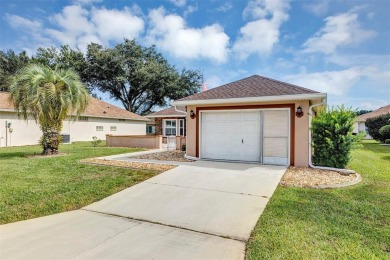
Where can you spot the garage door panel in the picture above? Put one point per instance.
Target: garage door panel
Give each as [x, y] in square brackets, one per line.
[276, 123]
[275, 147]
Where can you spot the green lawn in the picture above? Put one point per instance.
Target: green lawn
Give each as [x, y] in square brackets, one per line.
[347, 223]
[34, 187]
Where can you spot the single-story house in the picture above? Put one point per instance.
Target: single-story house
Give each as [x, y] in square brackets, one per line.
[99, 119]
[255, 119]
[360, 125]
[168, 122]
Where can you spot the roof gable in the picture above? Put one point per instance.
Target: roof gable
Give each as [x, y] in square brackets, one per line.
[253, 86]
[381, 111]
[96, 108]
[169, 112]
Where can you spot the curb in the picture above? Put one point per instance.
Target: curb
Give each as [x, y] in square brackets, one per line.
[341, 185]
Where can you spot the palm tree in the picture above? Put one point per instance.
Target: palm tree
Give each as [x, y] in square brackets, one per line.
[48, 96]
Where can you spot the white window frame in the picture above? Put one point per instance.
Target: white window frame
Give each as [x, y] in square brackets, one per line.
[153, 129]
[99, 128]
[181, 127]
[165, 126]
[113, 128]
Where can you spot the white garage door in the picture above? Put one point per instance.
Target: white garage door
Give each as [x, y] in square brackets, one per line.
[255, 136]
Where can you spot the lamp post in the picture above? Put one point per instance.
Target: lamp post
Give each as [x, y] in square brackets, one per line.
[7, 127]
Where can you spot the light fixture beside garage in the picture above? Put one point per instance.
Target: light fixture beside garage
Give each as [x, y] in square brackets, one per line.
[299, 112]
[192, 114]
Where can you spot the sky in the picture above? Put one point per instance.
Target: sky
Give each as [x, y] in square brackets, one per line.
[341, 48]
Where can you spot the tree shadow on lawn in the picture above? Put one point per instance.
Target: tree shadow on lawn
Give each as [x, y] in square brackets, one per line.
[354, 215]
[374, 147]
[12, 155]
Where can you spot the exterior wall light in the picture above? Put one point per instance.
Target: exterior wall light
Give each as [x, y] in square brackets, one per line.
[192, 114]
[299, 112]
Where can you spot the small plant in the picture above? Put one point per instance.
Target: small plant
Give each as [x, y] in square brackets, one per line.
[384, 131]
[95, 141]
[183, 147]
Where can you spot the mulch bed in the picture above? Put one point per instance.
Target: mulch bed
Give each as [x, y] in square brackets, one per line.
[176, 156]
[132, 165]
[315, 178]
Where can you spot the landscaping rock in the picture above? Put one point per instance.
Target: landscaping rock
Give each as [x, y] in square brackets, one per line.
[176, 156]
[132, 165]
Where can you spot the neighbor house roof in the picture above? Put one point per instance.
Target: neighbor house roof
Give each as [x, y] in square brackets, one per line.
[381, 111]
[170, 112]
[96, 108]
[255, 87]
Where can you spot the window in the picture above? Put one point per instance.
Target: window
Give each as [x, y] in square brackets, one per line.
[169, 127]
[181, 127]
[99, 128]
[83, 118]
[150, 129]
[112, 128]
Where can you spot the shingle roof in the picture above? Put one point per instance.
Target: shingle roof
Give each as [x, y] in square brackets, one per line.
[253, 86]
[170, 111]
[96, 107]
[381, 111]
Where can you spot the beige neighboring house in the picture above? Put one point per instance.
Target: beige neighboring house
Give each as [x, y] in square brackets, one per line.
[99, 119]
[360, 125]
[255, 119]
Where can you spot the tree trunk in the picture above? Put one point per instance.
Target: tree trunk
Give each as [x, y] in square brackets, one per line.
[50, 141]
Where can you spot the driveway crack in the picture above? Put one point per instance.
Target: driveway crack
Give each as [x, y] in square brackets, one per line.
[166, 225]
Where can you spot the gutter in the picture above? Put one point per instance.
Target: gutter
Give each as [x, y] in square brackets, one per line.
[249, 99]
[310, 147]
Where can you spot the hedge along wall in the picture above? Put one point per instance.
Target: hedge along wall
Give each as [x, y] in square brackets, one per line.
[332, 136]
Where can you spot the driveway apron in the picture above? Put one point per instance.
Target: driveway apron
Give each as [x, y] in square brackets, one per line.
[205, 210]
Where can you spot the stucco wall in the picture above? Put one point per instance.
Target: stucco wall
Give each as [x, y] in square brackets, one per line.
[29, 133]
[301, 141]
[143, 141]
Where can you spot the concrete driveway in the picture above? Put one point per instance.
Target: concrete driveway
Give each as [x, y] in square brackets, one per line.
[206, 210]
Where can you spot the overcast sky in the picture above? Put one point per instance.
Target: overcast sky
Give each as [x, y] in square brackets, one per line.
[338, 47]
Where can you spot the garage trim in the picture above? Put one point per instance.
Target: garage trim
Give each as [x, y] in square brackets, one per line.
[292, 122]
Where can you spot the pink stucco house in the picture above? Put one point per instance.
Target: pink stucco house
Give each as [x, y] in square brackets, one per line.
[255, 119]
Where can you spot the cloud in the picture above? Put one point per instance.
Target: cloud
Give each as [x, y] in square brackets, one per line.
[86, 2]
[340, 30]
[260, 36]
[225, 7]
[318, 8]
[171, 34]
[331, 82]
[179, 3]
[116, 25]
[18, 22]
[79, 26]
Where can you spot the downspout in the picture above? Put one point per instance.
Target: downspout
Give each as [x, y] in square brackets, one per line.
[310, 148]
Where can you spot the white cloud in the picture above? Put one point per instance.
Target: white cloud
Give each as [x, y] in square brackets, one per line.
[225, 7]
[331, 82]
[171, 34]
[318, 8]
[190, 9]
[260, 36]
[86, 2]
[78, 26]
[18, 22]
[116, 25]
[179, 3]
[340, 30]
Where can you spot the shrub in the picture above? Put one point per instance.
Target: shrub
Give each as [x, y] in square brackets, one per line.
[374, 124]
[95, 141]
[387, 141]
[384, 131]
[332, 136]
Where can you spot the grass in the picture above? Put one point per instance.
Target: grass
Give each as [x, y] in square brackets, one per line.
[34, 187]
[347, 223]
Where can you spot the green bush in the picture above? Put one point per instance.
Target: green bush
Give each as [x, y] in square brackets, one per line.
[95, 141]
[384, 131]
[374, 124]
[332, 136]
[387, 141]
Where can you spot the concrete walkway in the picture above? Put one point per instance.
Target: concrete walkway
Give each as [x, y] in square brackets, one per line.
[206, 210]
